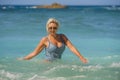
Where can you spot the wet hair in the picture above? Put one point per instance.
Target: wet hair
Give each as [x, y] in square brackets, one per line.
[51, 20]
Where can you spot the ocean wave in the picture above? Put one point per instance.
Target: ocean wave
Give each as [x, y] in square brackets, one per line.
[79, 76]
[112, 8]
[70, 7]
[69, 78]
[55, 68]
[7, 7]
[93, 67]
[105, 57]
[2, 66]
[87, 68]
[115, 65]
[110, 57]
[59, 72]
[58, 78]
[17, 7]
[36, 77]
[74, 68]
[8, 75]
[33, 7]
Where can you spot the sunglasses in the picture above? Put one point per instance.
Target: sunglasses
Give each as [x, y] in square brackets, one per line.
[54, 28]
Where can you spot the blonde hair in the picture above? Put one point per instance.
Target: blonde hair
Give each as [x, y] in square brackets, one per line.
[52, 20]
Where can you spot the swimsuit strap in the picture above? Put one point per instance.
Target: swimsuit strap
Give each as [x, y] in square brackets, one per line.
[62, 39]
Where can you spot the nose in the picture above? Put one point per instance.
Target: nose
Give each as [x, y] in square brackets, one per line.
[53, 30]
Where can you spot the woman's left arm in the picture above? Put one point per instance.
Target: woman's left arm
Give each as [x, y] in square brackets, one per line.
[73, 49]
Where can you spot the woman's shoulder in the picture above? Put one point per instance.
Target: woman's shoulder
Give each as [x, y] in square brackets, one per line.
[44, 39]
[63, 35]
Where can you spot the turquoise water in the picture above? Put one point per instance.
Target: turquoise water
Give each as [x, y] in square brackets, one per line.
[95, 31]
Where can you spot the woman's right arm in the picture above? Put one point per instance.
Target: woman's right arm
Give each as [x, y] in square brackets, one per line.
[37, 50]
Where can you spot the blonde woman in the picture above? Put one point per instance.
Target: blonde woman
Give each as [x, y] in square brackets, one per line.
[54, 44]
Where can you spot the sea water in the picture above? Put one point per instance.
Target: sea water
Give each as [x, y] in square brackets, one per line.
[94, 31]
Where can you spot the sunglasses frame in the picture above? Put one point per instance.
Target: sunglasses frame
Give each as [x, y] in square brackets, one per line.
[54, 28]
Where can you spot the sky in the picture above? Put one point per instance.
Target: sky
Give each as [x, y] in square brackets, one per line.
[64, 2]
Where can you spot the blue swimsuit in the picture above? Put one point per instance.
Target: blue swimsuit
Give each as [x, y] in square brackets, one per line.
[53, 52]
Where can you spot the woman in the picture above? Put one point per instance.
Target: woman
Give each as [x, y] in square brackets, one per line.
[54, 44]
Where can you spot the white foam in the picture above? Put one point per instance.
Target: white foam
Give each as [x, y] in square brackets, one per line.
[58, 78]
[32, 78]
[111, 57]
[9, 75]
[115, 65]
[93, 67]
[108, 57]
[80, 76]
[50, 70]
[112, 8]
[105, 57]
[55, 68]
[115, 55]
[34, 7]
[84, 68]
[36, 77]
[4, 7]
[74, 68]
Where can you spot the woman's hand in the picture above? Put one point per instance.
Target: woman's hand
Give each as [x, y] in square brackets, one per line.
[84, 60]
[20, 59]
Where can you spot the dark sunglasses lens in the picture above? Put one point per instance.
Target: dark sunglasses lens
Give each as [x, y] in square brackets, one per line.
[52, 28]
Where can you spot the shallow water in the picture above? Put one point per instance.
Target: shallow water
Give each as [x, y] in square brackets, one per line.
[93, 30]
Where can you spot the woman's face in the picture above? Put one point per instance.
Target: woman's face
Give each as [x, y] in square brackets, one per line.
[52, 28]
